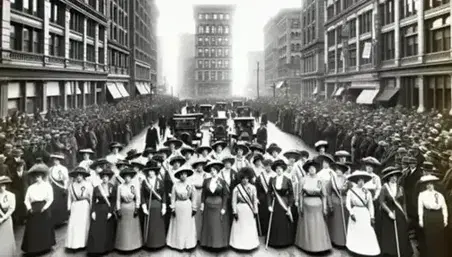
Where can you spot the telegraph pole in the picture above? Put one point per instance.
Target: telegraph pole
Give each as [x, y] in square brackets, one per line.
[257, 82]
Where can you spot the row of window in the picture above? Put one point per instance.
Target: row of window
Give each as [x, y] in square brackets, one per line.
[214, 41]
[142, 72]
[350, 58]
[213, 16]
[26, 39]
[32, 7]
[309, 63]
[119, 35]
[349, 30]
[309, 33]
[213, 52]
[212, 75]
[118, 59]
[212, 29]
[212, 64]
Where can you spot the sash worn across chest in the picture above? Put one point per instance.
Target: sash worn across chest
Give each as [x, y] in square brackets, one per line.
[264, 182]
[281, 201]
[246, 196]
[152, 191]
[359, 198]
[394, 200]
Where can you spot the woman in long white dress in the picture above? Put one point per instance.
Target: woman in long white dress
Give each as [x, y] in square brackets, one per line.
[244, 235]
[197, 180]
[79, 206]
[361, 237]
[7, 207]
[182, 228]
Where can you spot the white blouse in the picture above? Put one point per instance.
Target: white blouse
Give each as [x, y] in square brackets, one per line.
[374, 185]
[59, 173]
[37, 192]
[432, 200]
[7, 202]
[279, 181]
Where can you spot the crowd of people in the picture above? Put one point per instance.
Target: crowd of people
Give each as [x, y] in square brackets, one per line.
[379, 179]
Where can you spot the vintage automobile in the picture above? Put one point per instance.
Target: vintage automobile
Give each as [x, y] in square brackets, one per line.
[221, 106]
[191, 109]
[243, 129]
[206, 110]
[236, 103]
[220, 129]
[243, 111]
[186, 129]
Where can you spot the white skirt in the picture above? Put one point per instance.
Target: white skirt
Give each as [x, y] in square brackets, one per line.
[78, 225]
[361, 237]
[244, 235]
[182, 228]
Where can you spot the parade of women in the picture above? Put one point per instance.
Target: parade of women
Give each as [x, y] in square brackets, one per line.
[222, 194]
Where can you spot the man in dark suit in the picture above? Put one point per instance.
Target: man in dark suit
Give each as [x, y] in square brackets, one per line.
[261, 135]
[409, 181]
[152, 137]
[162, 125]
[4, 171]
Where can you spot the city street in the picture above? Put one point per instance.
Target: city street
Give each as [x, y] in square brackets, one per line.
[286, 141]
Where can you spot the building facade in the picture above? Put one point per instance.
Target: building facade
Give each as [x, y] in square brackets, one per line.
[312, 47]
[389, 52]
[213, 49]
[256, 75]
[282, 41]
[186, 65]
[63, 54]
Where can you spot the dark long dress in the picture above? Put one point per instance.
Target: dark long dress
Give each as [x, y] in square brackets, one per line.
[388, 239]
[433, 238]
[216, 228]
[262, 185]
[18, 188]
[39, 235]
[101, 238]
[155, 236]
[282, 231]
[59, 210]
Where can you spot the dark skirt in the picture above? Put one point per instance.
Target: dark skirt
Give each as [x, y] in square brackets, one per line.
[433, 234]
[156, 232]
[215, 227]
[282, 230]
[39, 235]
[388, 240]
[101, 238]
[337, 222]
[264, 215]
[58, 208]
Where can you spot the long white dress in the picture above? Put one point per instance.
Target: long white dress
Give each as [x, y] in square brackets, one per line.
[79, 198]
[244, 235]
[361, 237]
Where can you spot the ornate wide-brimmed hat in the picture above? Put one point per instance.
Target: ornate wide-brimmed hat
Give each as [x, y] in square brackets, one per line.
[132, 154]
[79, 171]
[219, 143]
[311, 163]
[184, 169]
[58, 156]
[342, 167]
[199, 161]
[279, 163]
[273, 148]
[292, 154]
[201, 149]
[214, 164]
[391, 171]
[158, 158]
[5, 180]
[243, 146]
[164, 150]
[187, 149]
[177, 158]
[174, 141]
[149, 150]
[372, 161]
[137, 164]
[99, 163]
[87, 150]
[358, 175]
[342, 153]
[428, 179]
[228, 158]
[325, 158]
[40, 169]
[151, 166]
[127, 172]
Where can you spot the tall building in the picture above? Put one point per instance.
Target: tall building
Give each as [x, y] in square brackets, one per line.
[186, 65]
[253, 58]
[160, 75]
[143, 61]
[213, 49]
[312, 47]
[396, 52]
[65, 54]
[282, 41]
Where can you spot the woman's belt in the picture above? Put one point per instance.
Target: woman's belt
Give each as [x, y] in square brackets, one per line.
[198, 187]
[433, 210]
[311, 195]
[182, 199]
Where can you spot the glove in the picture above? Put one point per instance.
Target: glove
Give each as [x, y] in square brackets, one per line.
[270, 209]
[163, 211]
[236, 216]
[118, 213]
[108, 216]
[392, 215]
[135, 213]
[193, 213]
[353, 217]
[421, 223]
[173, 212]
[93, 215]
[222, 211]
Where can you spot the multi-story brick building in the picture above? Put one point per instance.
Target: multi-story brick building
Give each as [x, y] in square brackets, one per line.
[282, 42]
[312, 47]
[213, 48]
[389, 52]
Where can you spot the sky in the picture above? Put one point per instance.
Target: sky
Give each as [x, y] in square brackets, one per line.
[176, 17]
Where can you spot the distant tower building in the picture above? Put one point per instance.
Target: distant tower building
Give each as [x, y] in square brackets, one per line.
[186, 65]
[213, 73]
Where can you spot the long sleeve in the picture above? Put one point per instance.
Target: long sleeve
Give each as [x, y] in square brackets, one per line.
[203, 191]
[118, 198]
[12, 205]
[193, 198]
[224, 195]
[420, 207]
[370, 206]
[137, 197]
[382, 200]
[291, 194]
[256, 200]
[378, 189]
[69, 199]
[234, 200]
[325, 197]
[444, 208]
[348, 202]
[27, 200]
[329, 193]
[49, 200]
[173, 197]
[143, 195]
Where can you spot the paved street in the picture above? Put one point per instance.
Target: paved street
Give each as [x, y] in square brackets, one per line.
[286, 141]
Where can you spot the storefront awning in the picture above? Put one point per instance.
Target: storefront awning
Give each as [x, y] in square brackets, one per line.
[316, 91]
[148, 87]
[367, 96]
[122, 89]
[114, 92]
[387, 94]
[52, 89]
[280, 84]
[141, 89]
[364, 85]
[339, 91]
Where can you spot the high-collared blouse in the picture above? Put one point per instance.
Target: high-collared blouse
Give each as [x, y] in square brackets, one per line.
[245, 195]
[197, 179]
[7, 202]
[79, 192]
[128, 192]
[38, 192]
[432, 200]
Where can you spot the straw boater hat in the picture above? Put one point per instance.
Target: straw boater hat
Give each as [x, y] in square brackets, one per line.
[149, 150]
[58, 156]
[246, 172]
[279, 163]
[310, 163]
[106, 172]
[228, 158]
[241, 145]
[216, 164]
[99, 163]
[199, 161]
[372, 161]
[324, 157]
[165, 150]
[258, 157]
[428, 179]
[257, 147]
[5, 180]
[79, 171]
[393, 171]
[151, 166]
[321, 143]
[292, 154]
[127, 172]
[132, 154]
[359, 174]
[342, 153]
[219, 143]
[428, 166]
[40, 169]
[174, 141]
[201, 149]
[116, 145]
[273, 147]
[87, 150]
[183, 169]
[177, 158]
[187, 149]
